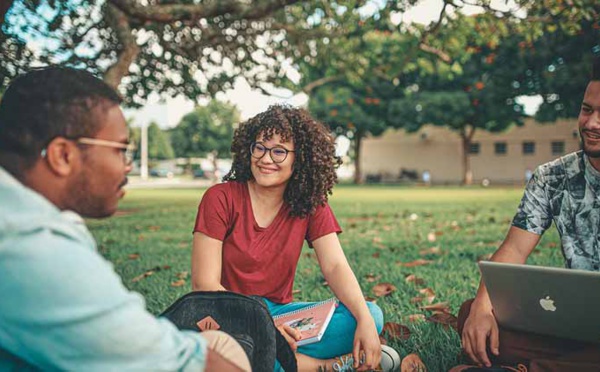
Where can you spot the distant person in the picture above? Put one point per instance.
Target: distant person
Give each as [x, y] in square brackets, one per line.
[250, 231]
[426, 176]
[565, 191]
[528, 175]
[64, 155]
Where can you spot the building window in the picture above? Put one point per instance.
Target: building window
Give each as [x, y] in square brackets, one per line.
[474, 148]
[500, 148]
[528, 148]
[558, 147]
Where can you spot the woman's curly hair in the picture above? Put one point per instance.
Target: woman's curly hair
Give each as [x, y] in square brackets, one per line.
[314, 172]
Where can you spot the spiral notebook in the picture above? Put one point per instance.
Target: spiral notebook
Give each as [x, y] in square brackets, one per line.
[312, 321]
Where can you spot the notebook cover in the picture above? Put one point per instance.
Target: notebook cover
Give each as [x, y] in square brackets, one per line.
[312, 320]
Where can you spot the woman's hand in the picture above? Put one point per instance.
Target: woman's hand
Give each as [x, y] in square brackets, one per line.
[291, 335]
[366, 345]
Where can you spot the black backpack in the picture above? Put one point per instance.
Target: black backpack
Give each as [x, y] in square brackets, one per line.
[245, 318]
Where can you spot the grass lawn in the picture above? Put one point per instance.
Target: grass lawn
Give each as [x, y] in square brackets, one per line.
[149, 243]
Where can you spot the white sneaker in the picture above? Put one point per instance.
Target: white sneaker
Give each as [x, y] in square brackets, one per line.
[390, 361]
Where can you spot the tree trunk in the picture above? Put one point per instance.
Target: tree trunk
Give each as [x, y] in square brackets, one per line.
[357, 147]
[128, 51]
[466, 135]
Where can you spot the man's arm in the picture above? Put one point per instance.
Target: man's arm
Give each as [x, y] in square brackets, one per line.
[65, 308]
[216, 363]
[481, 324]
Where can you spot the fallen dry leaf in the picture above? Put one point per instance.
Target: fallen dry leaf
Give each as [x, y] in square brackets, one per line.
[383, 289]
[182, 275]
[416, 300]
[416, 318]
[370, 299]
[412, 363]
[419, 262]
[387, 228]
[372, 278]
[396, 331]
[178, 283]
[150, 272]
[296, 291]
[437, 307]
[445, 319]
[142, 276]
[325, 284]
[432, 250]
[134, 256]
[377, 239]
[428, 293]
[484, 257]
[154, 228]
[412, 278]
[375, 255]
[431, 237]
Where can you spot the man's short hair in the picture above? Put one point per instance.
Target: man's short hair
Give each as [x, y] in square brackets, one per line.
[46, 103]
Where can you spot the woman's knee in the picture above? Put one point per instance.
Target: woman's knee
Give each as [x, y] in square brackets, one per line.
[377, 315]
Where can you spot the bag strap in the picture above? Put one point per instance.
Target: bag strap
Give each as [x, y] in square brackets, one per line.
[285, 354]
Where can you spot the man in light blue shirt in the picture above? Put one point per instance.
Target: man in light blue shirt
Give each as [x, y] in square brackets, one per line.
[64, 152]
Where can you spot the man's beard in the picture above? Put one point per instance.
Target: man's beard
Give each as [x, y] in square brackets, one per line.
[84, 201]
[595, 154]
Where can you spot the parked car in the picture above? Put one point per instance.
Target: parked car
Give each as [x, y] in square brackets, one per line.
[161, 172]
[199, 173]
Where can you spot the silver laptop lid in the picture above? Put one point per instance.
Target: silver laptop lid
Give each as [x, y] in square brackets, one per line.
[545, 300]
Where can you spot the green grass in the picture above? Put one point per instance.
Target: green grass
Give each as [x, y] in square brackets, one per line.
[380, 230]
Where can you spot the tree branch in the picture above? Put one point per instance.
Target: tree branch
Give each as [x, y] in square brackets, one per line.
[180, 12]
[441, 54]
[319, 82]
[267, 93]
[129, 48]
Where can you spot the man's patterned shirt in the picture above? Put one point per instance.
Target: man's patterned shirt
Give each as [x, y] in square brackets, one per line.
[567, 192]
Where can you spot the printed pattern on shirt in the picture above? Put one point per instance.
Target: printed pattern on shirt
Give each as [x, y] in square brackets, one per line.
[564, 191]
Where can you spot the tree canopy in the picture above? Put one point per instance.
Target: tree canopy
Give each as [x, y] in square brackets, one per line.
[206, 130]
[159, 142]
[194, 48]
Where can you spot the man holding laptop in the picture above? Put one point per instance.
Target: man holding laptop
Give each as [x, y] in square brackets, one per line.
[566, 191]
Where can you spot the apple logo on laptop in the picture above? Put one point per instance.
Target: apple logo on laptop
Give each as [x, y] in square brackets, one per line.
[547, 304]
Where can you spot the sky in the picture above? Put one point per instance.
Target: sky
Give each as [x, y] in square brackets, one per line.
[250, 102]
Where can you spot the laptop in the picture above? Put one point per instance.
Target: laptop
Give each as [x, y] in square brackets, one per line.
[545, 300]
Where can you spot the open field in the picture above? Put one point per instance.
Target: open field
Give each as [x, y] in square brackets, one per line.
[384, 229]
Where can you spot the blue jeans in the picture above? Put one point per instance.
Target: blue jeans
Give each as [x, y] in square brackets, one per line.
[338, 338]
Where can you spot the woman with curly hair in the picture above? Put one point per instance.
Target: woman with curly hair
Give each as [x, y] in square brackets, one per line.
[250, 230]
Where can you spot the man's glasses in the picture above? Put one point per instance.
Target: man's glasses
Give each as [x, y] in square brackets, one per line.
[278, 153]
[127, 149]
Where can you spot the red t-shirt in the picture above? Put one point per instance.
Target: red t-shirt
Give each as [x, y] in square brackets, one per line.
[256, 260]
